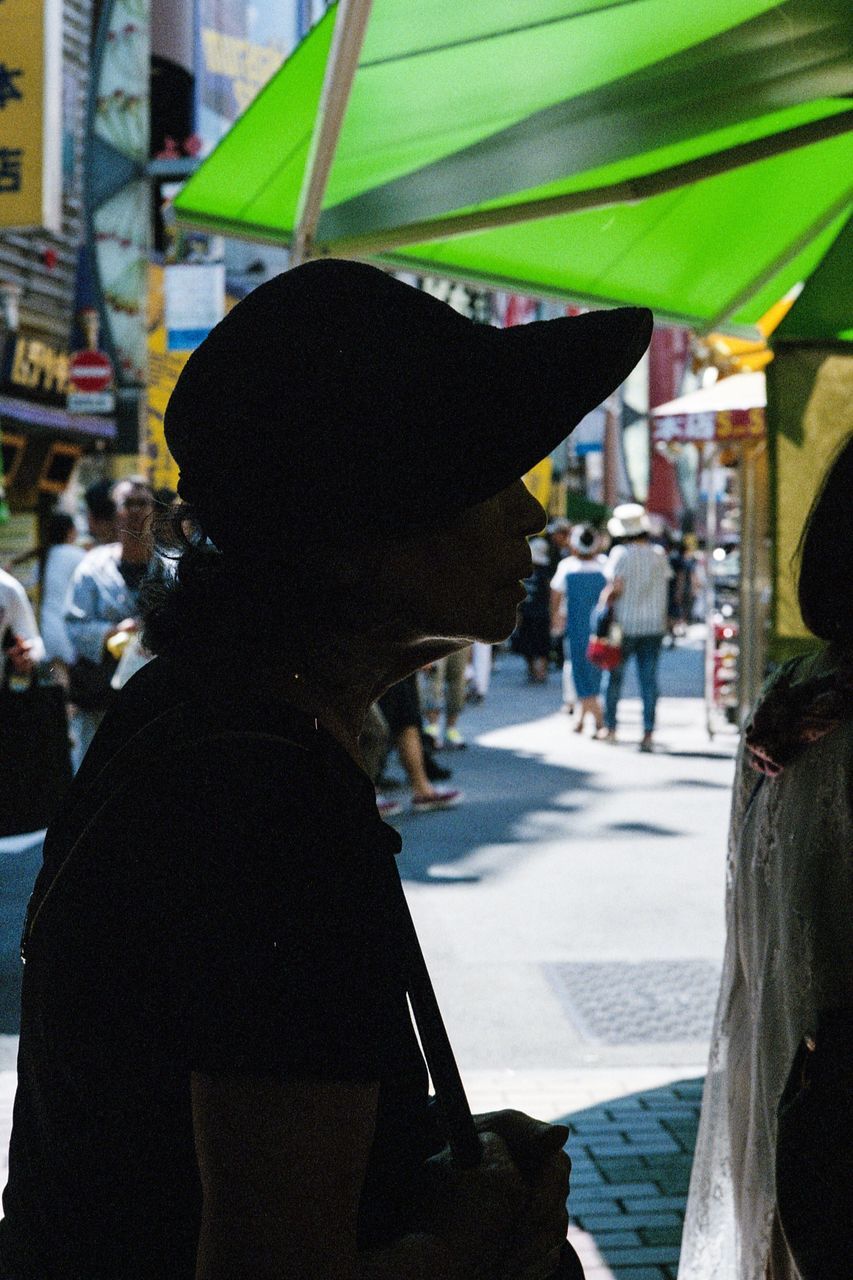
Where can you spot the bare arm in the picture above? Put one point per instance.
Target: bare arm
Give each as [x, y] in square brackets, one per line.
[282, 1166]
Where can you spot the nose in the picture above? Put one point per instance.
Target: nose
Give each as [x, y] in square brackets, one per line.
[533, 514]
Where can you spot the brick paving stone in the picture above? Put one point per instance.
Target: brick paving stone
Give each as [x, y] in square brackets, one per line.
[662, 1235]
[620, 1169]
[642, 1256]
[609, 1240]
[646, 1204]
[600, 1221]
[620, 1191]
[655, 1145]
[638, 1273]
[605, 1148]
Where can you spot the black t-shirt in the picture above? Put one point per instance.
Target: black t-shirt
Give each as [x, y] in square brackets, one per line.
[229, 910]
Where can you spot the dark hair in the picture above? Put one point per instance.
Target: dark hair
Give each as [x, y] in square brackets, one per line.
[207, 598]
[825, 587]
[59, 525]
[99, 502]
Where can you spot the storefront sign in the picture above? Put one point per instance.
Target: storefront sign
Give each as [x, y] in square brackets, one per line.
[195, 302]
[31, 114]
[241, 43]
[35, 368]
[724, 426]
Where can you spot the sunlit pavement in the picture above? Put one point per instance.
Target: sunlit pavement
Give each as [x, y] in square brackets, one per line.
[571, 911]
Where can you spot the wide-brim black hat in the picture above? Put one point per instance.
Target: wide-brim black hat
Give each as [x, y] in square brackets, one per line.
[336, 395]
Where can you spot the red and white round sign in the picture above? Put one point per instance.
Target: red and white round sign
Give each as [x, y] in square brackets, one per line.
[90, 371]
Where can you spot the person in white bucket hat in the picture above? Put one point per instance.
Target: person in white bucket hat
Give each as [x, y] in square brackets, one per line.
[629, 520]
[639, 574]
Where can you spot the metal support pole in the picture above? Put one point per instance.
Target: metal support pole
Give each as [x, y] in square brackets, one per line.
[350, 26]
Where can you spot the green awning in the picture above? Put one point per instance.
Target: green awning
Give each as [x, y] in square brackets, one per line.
[696, 159]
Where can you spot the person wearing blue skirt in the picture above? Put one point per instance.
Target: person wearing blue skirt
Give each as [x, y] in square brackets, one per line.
[576, 588]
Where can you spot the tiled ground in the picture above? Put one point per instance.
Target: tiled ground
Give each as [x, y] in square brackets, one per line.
[631, 1170]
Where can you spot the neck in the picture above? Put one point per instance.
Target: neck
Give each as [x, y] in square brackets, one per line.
[340, 694]
[135, 550]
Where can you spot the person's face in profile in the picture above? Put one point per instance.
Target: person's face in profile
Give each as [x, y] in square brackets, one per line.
[464, 579]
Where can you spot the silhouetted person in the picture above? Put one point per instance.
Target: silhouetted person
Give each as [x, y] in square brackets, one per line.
[770, 1197]
[218, 1075]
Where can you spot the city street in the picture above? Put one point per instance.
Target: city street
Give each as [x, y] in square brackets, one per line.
[571, 910]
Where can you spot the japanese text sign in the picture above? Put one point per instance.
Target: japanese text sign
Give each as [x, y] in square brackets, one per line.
[31, 114]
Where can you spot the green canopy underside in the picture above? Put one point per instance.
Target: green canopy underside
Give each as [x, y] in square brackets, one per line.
[489, 104]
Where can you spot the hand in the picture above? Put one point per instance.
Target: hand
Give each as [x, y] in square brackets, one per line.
[474, 1211]
[129, 624]
[18, 656]
[537, 1150]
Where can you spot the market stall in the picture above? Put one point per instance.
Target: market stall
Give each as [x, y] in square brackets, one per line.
[726, 425]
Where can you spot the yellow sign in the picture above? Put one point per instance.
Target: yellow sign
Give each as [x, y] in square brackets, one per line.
[164, 367]
[538, 482]
[31, 114]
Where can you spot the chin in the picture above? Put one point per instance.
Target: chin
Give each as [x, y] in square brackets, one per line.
[497, 627]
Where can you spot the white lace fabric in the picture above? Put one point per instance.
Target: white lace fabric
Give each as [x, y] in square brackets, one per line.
[789, 951]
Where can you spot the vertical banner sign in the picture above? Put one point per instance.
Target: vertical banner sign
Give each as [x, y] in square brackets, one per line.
[164, 366]
[809, 416]
[31, 114]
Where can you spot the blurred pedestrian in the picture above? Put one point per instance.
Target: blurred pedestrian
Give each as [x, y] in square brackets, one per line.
[217, 1072]
[443, 691]
[400, 705]
[575, 591]
[532, 636]
[481, 672]
[559, 533]
[101, 512]
[58, 558]
[638, 591]
[103, 606]
[770, 1192]
[21, 646]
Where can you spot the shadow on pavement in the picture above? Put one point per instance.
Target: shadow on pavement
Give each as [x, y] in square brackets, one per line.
[505, 792]
[631, 1160]
[20, 863]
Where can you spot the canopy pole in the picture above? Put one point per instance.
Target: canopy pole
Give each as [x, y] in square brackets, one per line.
[630, 191]
[778, 264]
[350, 26]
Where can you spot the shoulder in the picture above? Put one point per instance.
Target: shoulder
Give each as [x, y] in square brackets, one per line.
[11, 590]
[563, 568]
[99, 559]
[617, 555]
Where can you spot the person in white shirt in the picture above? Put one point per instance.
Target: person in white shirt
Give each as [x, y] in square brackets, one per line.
[639, 576]
[59, 559]
[21, 645]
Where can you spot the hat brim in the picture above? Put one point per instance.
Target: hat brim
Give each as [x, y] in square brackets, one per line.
[532, 385]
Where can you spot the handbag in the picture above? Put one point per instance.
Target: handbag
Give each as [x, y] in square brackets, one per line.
[35, 756]
[814, 1151]
[604, 649]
